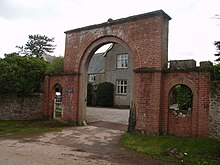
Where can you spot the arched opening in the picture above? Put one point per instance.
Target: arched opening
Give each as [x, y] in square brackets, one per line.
[57, 111]
[115, 66]
[181, 100]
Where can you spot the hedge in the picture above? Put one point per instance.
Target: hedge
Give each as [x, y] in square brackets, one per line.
[105, 94]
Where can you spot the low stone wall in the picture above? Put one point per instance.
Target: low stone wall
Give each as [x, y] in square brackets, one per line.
[20, 107]
[214, 113]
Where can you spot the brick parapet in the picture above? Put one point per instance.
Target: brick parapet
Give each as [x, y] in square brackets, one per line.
[145, 37]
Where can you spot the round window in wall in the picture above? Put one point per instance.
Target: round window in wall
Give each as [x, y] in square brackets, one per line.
[180, 100]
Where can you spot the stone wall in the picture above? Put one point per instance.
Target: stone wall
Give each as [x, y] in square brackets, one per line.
[19, 107]
[182, 64]
[214, 113]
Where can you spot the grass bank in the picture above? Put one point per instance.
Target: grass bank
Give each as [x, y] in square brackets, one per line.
[185, 150]
[17, 128]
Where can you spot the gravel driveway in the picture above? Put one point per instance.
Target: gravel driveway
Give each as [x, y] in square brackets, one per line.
[107, 114]
[87, 145]
[108, 118]
[84, 145]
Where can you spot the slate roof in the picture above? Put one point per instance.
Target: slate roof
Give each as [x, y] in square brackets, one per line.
[48, 58]
[96, 64]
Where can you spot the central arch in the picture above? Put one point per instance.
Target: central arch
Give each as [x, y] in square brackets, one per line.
[145, 37]
[84, 63]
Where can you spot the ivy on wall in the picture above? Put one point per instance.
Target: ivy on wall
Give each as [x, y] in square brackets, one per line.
[183, 97]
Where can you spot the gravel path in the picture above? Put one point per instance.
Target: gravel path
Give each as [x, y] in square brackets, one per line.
[107, 114]
[86, 145]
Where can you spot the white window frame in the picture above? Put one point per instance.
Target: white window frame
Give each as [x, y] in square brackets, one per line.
[122, 61]
[92, 77]
[121, 87]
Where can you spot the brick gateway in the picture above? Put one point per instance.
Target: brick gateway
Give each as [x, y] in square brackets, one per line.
[145, 37]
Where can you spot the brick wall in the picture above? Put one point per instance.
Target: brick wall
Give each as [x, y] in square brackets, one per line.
[145, 35]
[148, 101]
[19, 107]
[196, 124]
[68, 83]
[152, 102]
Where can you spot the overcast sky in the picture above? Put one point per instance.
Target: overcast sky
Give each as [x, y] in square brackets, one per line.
[192, 30]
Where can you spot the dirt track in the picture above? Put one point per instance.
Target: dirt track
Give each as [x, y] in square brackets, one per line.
[86, 145]
[95, 144]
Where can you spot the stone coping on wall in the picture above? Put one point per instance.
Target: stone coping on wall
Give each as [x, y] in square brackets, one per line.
[65, 74]
[169, 70]
[122, 20]
[33, 94]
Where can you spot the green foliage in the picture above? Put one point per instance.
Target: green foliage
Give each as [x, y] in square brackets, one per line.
[89, 94]
[37, 45]
[183, 97]
[56, 66]
[215, 72]
[105, 94]
[199, 150]
[21, 74]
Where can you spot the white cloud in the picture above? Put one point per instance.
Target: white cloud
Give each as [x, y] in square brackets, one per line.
[191, 34]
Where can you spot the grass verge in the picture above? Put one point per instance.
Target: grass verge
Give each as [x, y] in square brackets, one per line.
[193, 150]
[17, 128]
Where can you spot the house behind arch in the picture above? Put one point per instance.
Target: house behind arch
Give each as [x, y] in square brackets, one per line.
[112, 66]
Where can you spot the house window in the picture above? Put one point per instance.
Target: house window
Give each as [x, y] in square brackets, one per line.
[122, 61]
[92, 77]
[121, 86]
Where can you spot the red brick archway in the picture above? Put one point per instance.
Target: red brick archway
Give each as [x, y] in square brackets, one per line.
[145, 37]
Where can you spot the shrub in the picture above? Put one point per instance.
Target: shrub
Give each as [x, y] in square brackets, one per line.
[56, 66]
[21, 74]
[184, 97]
[89, 94]
[105, 94]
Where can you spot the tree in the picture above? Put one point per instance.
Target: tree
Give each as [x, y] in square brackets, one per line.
[56, 66]
[21, 74]
[37, 45]
[217, 44]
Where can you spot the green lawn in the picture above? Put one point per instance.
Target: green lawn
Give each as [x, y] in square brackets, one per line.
[189, 150]
[17, 128]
